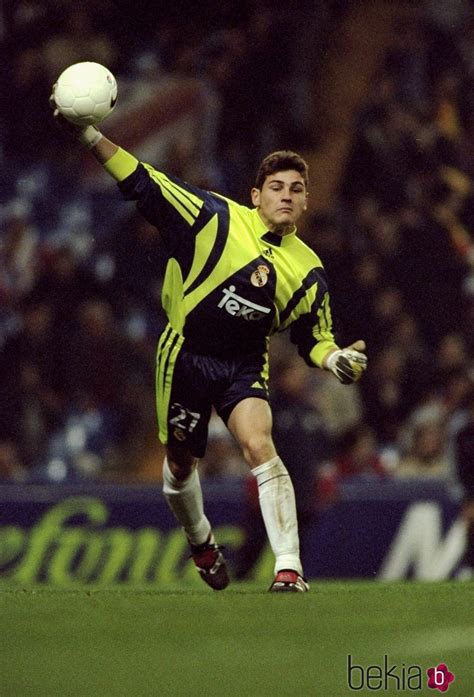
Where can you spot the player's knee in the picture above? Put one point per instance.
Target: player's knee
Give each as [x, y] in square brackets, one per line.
[257, 449]
[181, 462]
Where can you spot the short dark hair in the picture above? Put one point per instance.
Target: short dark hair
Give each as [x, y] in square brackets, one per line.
[280, 161]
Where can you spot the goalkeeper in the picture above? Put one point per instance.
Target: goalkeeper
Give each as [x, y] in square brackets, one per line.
[234, 276]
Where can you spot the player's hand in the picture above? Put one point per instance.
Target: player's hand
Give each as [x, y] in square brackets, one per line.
[348, 364]
[86, 135]
[71, 128]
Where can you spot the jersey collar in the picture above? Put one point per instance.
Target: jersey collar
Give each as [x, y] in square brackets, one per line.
[271, 237]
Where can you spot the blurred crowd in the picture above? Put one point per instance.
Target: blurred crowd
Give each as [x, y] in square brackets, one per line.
[400, 245]
[229, 48]
[79, 310]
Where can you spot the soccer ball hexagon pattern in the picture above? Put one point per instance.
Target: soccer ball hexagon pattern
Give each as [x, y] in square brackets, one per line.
[85, 93]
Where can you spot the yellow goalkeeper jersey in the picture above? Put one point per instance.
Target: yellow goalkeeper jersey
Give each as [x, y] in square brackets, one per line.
[229, 283]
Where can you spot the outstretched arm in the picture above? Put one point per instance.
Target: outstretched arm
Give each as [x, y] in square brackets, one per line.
[165, 201]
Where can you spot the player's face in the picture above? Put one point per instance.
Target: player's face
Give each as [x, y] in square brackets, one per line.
[281, 200]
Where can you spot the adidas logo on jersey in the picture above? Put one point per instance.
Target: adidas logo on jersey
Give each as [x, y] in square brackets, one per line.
[240, 307]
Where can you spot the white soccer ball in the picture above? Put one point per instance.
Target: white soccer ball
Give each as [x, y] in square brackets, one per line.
[85, 93]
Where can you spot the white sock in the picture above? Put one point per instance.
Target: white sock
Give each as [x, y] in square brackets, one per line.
[277, 503]
[184, 497]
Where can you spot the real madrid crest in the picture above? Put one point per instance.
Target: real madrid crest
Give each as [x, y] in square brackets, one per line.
[260, 276]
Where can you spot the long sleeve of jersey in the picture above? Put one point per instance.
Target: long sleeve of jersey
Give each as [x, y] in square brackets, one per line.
[177, 209]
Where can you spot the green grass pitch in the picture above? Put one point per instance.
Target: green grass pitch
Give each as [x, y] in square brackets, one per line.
[192, 642]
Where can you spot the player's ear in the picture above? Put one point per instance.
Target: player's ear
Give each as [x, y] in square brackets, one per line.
[255, 196]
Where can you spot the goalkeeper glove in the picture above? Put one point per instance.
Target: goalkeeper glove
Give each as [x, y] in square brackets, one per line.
[348, 364]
